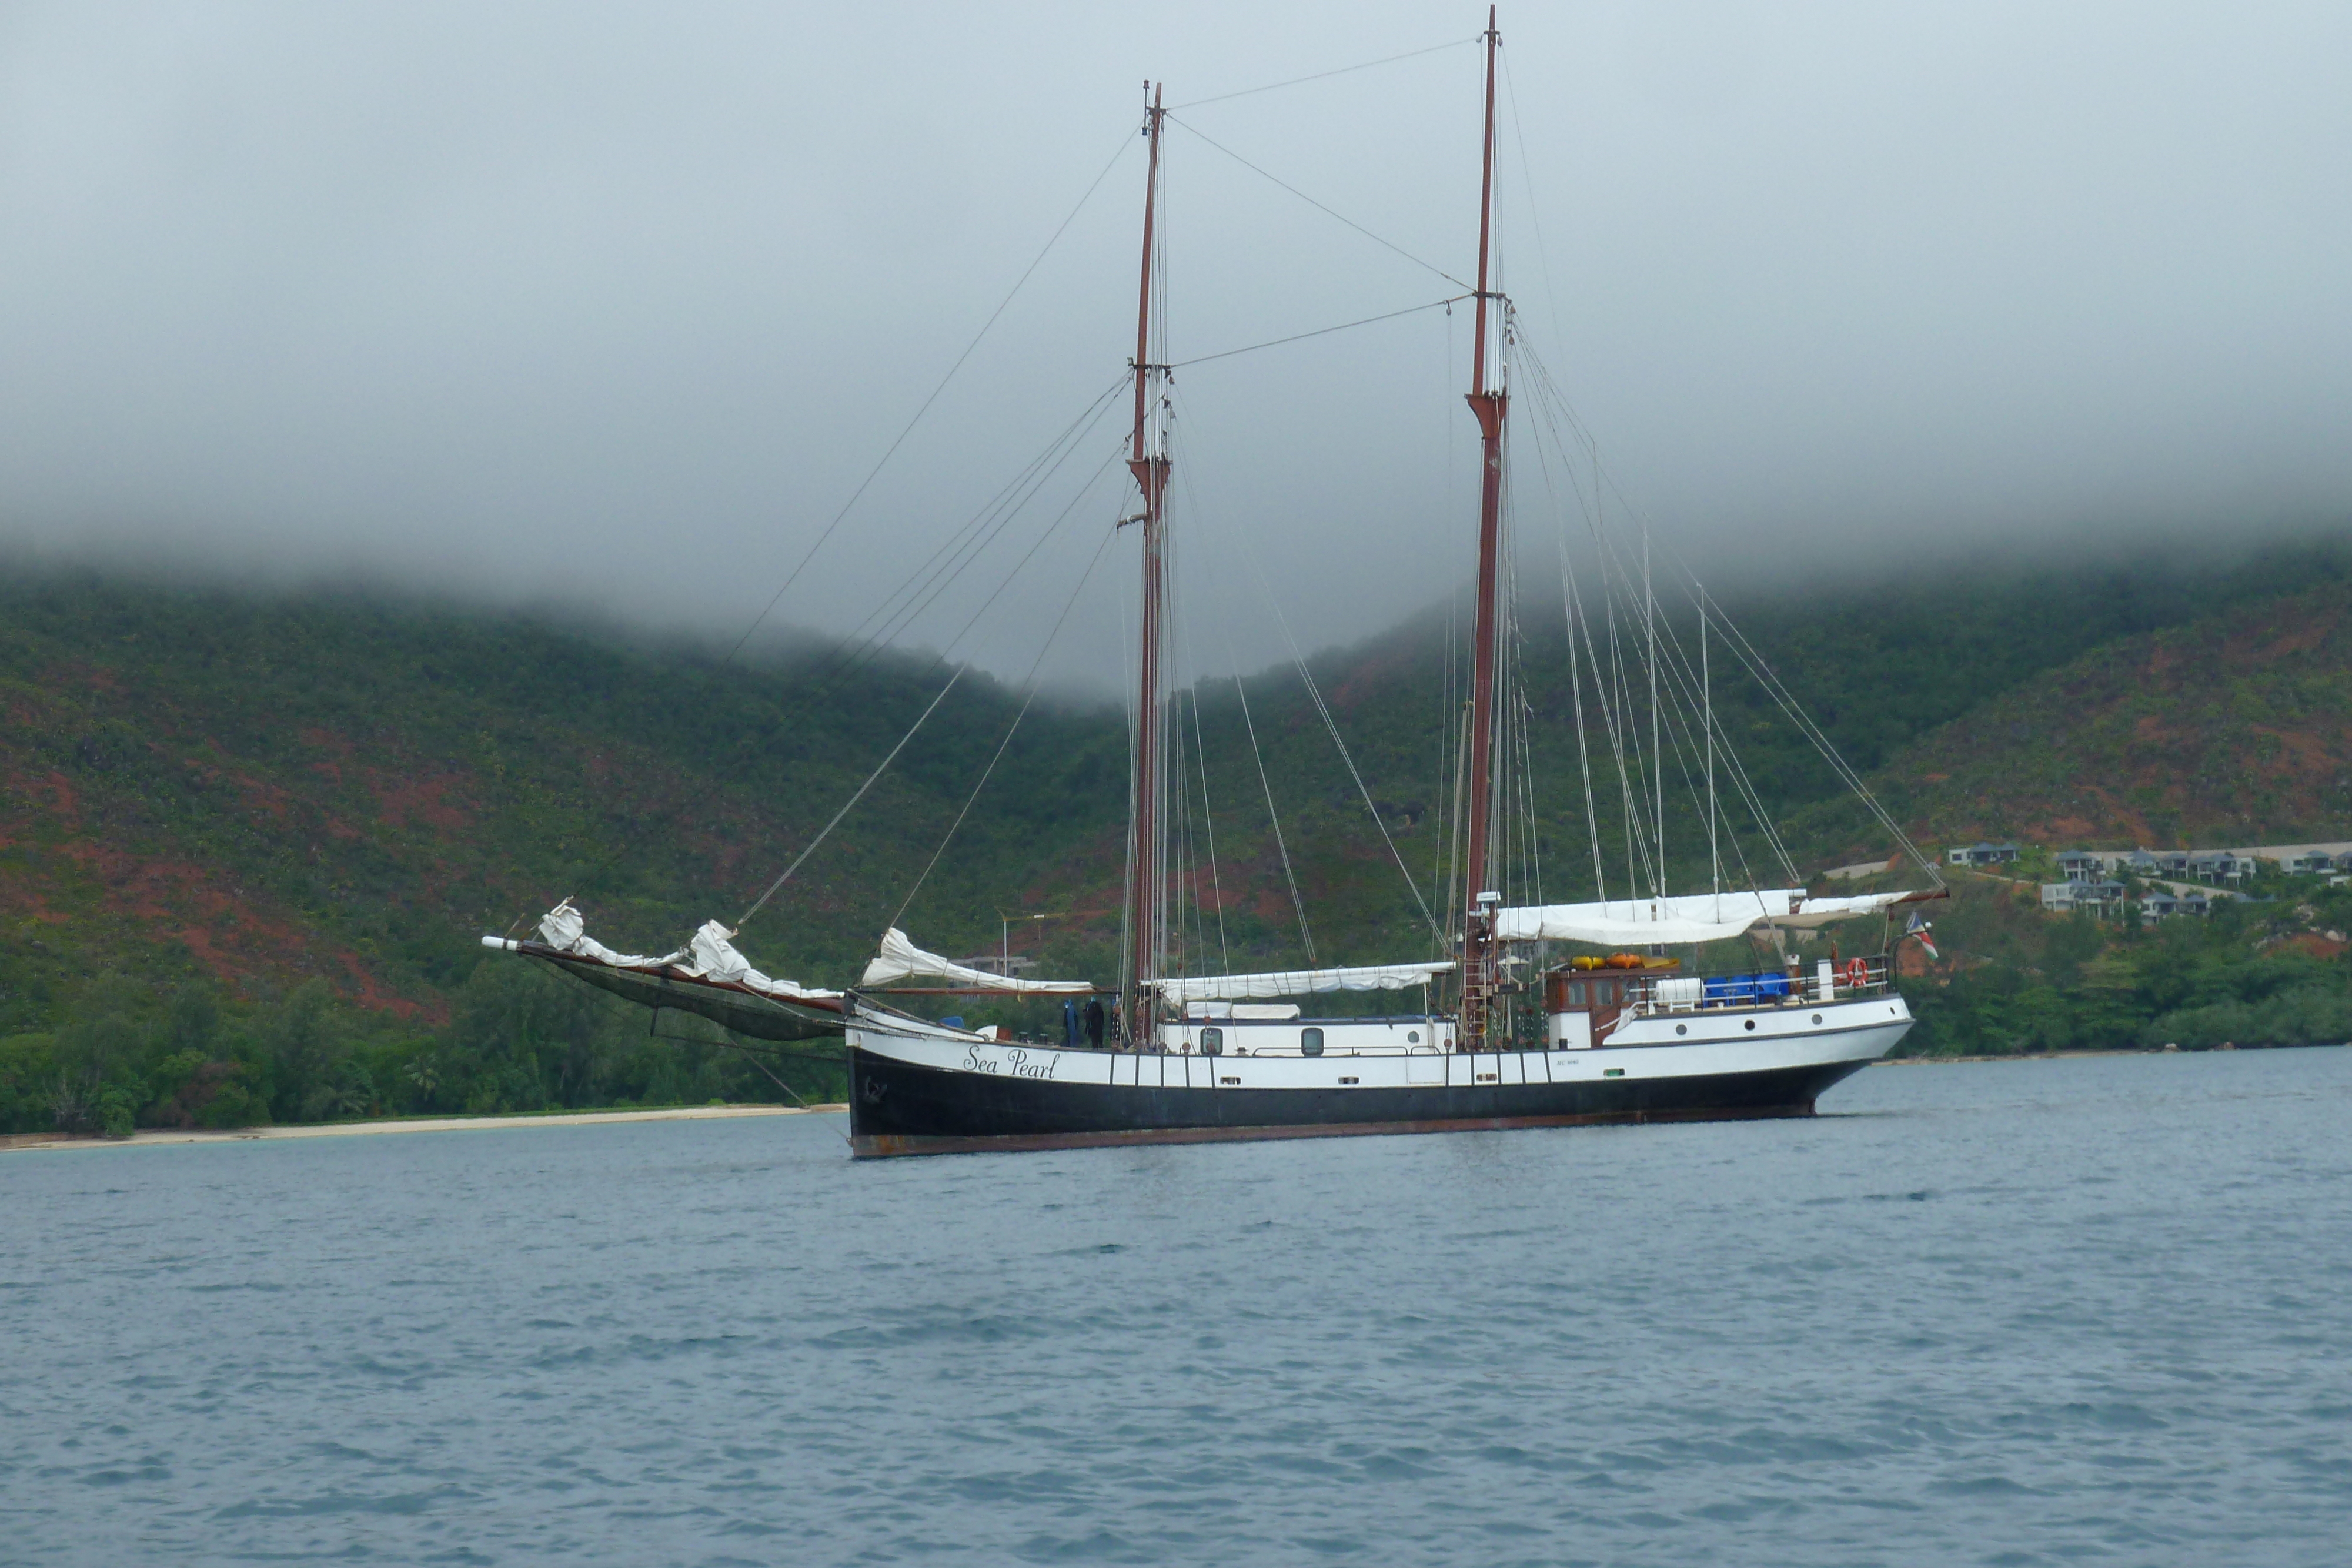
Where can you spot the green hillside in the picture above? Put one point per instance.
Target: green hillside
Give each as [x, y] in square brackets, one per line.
[248, 843]
[2230, 730]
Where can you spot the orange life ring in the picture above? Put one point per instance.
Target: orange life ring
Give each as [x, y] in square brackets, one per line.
[1857, 973]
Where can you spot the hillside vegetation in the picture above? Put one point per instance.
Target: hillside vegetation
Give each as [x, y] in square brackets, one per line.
[248, 844]
[2229, 730]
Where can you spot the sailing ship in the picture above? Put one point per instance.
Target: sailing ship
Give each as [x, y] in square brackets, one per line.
[1501, 1039]
[1626, 1038]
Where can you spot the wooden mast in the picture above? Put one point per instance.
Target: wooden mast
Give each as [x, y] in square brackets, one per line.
[1147, 461]
[1489, 402]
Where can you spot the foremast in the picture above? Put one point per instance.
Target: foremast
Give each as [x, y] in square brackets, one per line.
[1146, 866]
[1489, 401]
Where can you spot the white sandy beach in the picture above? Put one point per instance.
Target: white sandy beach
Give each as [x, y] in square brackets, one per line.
[417, 1124]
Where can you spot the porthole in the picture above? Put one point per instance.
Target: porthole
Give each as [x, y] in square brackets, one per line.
[1817, 1018]
[1613, 1072]
[1232, 1081]
[1682, 1029]
[1212, 1041]
[1351, 1080]
[1311, 1042]
[1412, 1037]
[1751, 1023]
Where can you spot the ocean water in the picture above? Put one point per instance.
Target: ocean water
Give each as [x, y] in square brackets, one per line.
[2085, 1311]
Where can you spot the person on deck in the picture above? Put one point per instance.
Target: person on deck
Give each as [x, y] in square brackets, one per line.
[1094, 1022]
[1070, 1025]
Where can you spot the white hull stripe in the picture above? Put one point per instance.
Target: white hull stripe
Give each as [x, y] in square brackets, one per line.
[1848, 1033]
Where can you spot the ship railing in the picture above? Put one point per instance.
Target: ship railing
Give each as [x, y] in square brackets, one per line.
[1824, 980]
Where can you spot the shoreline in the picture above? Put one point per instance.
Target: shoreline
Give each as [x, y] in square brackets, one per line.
[29, 1142]
[2018, 1056]
[2132, 1051]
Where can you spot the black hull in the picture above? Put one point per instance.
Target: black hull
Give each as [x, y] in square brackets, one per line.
[901, 1108]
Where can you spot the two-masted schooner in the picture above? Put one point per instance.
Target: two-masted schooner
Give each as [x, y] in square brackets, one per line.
[1621, 1035]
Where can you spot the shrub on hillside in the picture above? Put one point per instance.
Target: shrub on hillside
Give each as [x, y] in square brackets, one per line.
[2308, 1014]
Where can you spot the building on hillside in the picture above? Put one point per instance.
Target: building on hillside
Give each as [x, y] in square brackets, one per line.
[2217, 867]
[2141, 865]
[2157, 904]
[2083, 865]
[2088, 895]
[2311, 862]
[2172, 862]
[1980, 854]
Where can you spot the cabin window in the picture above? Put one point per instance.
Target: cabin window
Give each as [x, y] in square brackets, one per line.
[1575, 993]
[1311, 1042]
[1412, 1037]
[1212, 1041]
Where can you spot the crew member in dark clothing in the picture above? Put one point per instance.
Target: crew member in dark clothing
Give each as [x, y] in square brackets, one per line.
[1094, 1022]
[1070, 1026]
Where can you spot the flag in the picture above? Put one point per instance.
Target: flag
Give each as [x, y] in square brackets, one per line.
[1920, 928]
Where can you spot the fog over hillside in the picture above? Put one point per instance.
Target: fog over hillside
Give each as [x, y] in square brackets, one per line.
[617, 307]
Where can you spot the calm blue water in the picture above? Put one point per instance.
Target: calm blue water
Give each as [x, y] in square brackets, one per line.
[2095, 1310]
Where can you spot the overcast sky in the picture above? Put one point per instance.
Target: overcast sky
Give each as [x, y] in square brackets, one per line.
[618, 305]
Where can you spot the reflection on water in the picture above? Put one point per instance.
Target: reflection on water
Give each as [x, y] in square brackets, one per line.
[2088, 1309]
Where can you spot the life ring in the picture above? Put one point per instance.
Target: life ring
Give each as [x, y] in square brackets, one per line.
[1857, 974]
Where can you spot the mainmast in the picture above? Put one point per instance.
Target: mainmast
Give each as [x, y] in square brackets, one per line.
[1147, 461]
[1488, 401]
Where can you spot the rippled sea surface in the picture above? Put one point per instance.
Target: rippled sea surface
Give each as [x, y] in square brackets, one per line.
[2092, 1310]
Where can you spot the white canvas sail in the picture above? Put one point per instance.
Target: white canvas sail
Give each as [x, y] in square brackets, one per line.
[715, 958]
[709, 955]
[566, 929]
[1823, 911]
[901, 959]
[1299, 982]
[1683, 919]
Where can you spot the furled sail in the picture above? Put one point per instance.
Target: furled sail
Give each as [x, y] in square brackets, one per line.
[1686, 918]
[566, 929]
[709, 956]
[1299, 982]
[1823, 911]
[901, 959]
[715, 958]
